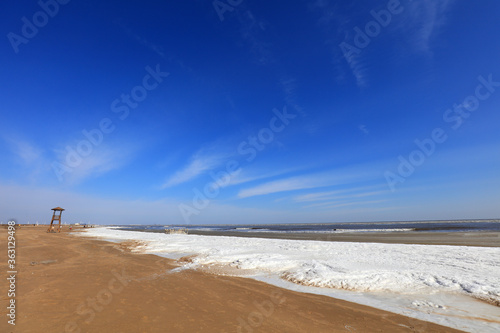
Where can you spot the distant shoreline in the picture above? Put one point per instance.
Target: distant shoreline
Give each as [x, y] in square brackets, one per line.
[483, 239]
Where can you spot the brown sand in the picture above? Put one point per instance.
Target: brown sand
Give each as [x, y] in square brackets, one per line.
[71, 284]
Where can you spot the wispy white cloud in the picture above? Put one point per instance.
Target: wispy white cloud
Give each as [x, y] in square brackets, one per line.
[421, 20]
[358, 69]
[28, 156]
[252, 30]
[197, 166]
[152, 46]
[342, 198]
[25, 152]
[40, 165]
[102, 159]
[336, 22]
[426, 18]
[329, 13]
[205, 159]
[338, 204]
[335, 177]
[283, 185]
[340, 194]
[247, 175]
[289, 86]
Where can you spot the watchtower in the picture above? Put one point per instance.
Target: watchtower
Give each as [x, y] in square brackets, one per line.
[56, 217]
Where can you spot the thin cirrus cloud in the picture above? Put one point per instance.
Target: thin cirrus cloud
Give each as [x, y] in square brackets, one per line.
[246, 176]
[205, 159]
[339, 194]
[339, 204]
[101, 160]
[283, 185]
[336, 177]
[25, 152]
[422, 21]
[358, 70]
[345, 197]
[40, 165]
[252, 30]
[427, 17]
[334, 21]
[28, 156]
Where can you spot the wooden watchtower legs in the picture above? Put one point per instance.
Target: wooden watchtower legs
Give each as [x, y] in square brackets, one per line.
[56, 217]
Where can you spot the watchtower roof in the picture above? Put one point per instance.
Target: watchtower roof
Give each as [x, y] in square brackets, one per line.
[58, 208]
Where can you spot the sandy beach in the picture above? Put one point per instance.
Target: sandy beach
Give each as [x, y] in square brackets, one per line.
[72, 284]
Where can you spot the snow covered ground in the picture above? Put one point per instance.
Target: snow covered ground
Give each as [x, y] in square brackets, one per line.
[437, 283]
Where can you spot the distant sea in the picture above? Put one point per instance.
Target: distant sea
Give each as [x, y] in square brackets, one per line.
[353, 227]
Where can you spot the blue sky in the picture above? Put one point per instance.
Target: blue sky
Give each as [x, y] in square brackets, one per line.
[249, 111]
